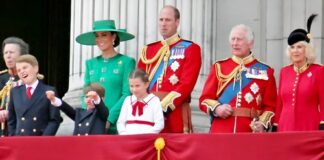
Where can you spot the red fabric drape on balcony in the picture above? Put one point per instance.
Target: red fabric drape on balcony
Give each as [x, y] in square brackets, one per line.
[302, 145]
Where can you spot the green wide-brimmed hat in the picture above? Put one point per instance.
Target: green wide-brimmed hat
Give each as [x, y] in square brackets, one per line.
[89, 38]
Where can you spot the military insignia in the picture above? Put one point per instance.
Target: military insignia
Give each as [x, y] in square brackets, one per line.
[256, 73]
[102, 79]
[103, 70]
[120, 63]
[91, 72]
[174, 79]
[254, 88]
[174, 66]
[258, 99]
[178, 52]
[248, 97]
[115, 71]
[309, 74]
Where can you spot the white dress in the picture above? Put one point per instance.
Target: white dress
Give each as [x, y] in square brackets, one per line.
[150, 121]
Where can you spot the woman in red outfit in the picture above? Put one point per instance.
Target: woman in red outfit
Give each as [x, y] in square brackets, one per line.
[301, 93]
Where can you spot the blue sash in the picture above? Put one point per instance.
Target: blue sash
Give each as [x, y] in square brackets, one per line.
[229, 93]
[183, 45]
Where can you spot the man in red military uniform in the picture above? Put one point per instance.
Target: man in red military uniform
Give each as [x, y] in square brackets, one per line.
[173, 65]
[240, 92]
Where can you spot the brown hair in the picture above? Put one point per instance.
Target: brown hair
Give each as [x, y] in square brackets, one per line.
[27, 58]
[175, 10]
[139, 73]
[95, 87]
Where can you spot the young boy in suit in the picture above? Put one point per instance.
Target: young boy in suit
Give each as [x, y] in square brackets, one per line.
[89, 121]
[30, 112]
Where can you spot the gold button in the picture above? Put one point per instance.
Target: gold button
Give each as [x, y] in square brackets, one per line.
[79, 124]
[22, 130]
[22, 118]
[35, 118]
[87, 124]
[34, 130]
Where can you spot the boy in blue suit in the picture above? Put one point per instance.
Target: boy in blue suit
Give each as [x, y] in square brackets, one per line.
[91, 120]
[30, 112]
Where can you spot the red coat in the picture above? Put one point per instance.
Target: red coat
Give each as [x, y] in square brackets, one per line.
[183, 73]
[300, 99]
[257, 95]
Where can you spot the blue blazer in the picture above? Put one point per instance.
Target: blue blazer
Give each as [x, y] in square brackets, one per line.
[35, 116]
[87, 122]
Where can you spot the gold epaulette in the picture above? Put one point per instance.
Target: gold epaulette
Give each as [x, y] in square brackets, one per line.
[4, 71]
[222, 60]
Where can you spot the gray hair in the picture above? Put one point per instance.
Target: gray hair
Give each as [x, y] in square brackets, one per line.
[309, 52]
[24, 47]
[249, 33]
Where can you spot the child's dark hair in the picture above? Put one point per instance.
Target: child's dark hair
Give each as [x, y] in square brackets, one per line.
[95, 87]
[139, 73]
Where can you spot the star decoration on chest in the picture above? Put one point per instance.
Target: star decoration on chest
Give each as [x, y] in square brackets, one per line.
[173, 79]
[175, 65]
[254, 88]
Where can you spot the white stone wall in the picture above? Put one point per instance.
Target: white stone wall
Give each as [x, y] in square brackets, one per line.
[206, 22]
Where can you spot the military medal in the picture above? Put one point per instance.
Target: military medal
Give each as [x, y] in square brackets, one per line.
[248, 97]
[174, 66]
[254, 88]
[177, 52]
[174, 79]
[256, 73]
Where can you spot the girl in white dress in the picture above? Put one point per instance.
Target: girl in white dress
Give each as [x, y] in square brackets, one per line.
[141, 112]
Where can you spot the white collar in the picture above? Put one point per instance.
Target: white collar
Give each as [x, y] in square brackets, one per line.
[34, 85]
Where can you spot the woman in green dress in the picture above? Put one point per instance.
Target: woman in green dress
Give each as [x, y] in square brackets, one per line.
[110, 69]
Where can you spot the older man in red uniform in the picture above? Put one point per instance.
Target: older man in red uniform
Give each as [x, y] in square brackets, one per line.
[173, 65]
[240, 92]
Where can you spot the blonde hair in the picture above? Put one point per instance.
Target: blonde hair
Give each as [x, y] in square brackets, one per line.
[309, 51]
[27, 58]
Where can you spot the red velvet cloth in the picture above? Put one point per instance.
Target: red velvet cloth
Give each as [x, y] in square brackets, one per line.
[302, 145]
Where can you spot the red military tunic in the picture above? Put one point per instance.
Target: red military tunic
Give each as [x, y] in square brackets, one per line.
[256, 95]
[179, 76]
[300, 99]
